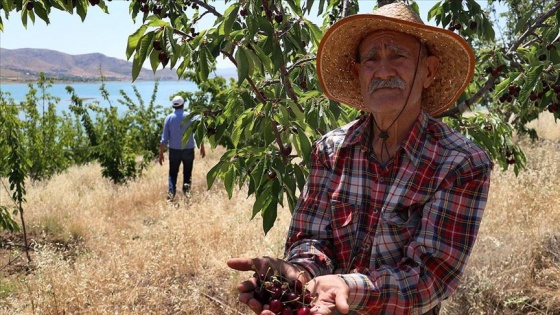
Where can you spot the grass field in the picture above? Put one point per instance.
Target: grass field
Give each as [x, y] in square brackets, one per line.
[104, 249]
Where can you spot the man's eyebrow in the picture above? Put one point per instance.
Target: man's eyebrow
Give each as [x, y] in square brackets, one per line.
[392, 47]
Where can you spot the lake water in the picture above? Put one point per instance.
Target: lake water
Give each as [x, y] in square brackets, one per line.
[91, 92]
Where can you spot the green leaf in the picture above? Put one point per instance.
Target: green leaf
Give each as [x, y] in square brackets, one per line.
[252, 25]
[295, 5]
[213, 174]
[154, 60]
[503, 86]
[269, 214]
[305, 144]
[258, 175]
[41, 11]
[242, 65]
[134, 39]
[264, 59]
[266, 26]
[238, 128]
[261, 200]
[81, 8]
[58, 4]
[300, 117]
[456, 6]
[230, 15]
[203, 69]
[316, 33]
[530, 81]
[141, 54]
[229, 180]
[277, 57]
[488, 30]
[253, 60]
[300, 173]
[154, 21]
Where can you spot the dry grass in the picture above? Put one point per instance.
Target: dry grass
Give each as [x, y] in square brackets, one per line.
[103, 249]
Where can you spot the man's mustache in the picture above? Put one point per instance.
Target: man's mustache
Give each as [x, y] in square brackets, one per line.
[392, 83]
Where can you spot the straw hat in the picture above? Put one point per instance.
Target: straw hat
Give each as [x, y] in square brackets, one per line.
[337, 52]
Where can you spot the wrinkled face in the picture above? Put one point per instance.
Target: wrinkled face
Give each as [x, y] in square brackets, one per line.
[391, 65]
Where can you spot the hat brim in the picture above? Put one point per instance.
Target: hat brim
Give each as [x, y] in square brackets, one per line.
[337, 51]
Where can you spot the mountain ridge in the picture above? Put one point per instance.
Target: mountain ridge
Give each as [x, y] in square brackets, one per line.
[25, 64]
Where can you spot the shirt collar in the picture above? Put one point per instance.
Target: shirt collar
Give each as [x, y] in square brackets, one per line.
[413, 144]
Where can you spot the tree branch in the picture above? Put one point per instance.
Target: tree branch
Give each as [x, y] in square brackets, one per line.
[465, 105]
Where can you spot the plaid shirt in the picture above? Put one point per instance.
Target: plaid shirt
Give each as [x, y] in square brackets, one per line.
[399, 235]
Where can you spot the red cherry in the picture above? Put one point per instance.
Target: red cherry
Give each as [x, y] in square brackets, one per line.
[533, 97]
[307, 298]
[303, 311]
[275, 292]
[163, 58]
[287, 311]
[261, 295]
[157, 44]
[275, 306]
[296, 285]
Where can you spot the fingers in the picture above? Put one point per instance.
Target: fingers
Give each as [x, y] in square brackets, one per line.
[241, 264]
[342, 302]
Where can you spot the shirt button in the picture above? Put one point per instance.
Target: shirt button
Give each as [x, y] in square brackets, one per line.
[381, 179]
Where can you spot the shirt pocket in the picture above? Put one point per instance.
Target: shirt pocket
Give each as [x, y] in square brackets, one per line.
[346, 229]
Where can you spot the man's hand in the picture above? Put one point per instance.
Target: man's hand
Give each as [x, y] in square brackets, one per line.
[202, 151]
[262, 266]
[331, 294]
[161, 151]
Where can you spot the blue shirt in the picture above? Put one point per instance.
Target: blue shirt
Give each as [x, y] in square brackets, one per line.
[173, 130]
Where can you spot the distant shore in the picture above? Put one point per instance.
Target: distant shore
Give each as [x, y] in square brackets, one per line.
[59, 81]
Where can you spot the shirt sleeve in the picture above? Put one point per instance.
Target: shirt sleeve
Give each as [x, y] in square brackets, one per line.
[308, 243]
[165, 132]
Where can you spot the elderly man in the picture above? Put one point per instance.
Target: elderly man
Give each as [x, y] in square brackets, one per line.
[394, 200]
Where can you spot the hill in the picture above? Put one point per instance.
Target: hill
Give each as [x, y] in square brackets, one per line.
[25, 64]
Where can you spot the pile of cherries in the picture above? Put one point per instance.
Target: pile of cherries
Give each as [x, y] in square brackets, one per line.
[283, 296]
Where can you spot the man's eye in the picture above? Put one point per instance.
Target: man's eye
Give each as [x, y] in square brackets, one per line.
[371, 59]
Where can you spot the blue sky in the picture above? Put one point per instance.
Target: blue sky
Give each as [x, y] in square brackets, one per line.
[100, 32]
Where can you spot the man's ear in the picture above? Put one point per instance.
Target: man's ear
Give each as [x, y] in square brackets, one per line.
[356, 69]
[432, 65]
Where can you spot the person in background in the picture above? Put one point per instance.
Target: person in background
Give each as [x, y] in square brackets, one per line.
[174, 128]
[394, 200]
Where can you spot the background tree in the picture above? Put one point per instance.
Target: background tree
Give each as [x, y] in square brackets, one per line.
[268, 119]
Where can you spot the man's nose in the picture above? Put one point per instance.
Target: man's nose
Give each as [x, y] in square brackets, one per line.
[384, 70]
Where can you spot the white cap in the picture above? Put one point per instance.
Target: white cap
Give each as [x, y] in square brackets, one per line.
[178, 101]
